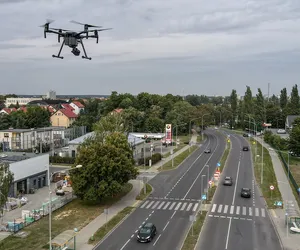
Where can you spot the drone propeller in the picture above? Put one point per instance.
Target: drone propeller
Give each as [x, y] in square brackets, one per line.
[46, 26]
[96, 32]
[86, 25]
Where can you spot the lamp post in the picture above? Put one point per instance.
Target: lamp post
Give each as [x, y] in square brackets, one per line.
[207, 179]
[176, 141]
[50, 202]
[202, 125]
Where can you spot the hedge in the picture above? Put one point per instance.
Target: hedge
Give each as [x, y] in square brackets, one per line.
[275, 141]
[58, 159]
[155, 158]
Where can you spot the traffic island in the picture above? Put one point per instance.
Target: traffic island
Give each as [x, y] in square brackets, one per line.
[145, 192]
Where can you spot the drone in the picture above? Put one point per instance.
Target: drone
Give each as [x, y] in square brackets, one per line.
[73, 38]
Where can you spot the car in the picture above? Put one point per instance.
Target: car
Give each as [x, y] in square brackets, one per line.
[60, 192]
[245, 148]
[146, 232]
[207, 151]
[227, 181]
[246, 193]
[245, 135]
[281, 131]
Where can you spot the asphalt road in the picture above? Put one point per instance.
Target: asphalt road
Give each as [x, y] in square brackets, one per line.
[234, 222]
[176, 196]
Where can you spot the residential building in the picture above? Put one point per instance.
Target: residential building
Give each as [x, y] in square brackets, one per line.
[20, 100]
[77, 106]
[50, 95]
[63, 118]
[30, 171]
[7, 111]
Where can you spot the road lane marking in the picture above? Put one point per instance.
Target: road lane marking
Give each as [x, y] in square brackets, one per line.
[125, 244]
[155, 205]
[244, 211]
[238, 210]
[166, 226]
[231, 209]
[173, 215]
[145, 203]
[195, 207]
[237, 178]
[183, 206]
[173, 204]
[220, 208]
[161, 204]
[250, 211]
[189, 207]
[228, 233]
[214, 208]
[177, 207]
[156, 240]
[263, 212]
[225, 209]
[256, 212]
[168, 203]
[150, 204]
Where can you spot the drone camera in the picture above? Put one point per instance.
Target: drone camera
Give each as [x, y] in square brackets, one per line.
[75, 51]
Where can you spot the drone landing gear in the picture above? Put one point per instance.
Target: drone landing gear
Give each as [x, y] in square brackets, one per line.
[85, 55]
[58, 56]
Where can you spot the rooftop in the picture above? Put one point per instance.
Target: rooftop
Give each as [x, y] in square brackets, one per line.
[21, 130]
[10, 157]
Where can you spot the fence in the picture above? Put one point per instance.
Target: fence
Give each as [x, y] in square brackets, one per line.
[29, 217]
[292, 179]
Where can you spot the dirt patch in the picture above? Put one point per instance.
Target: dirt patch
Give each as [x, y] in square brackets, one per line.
[295, 170]
[64, 214]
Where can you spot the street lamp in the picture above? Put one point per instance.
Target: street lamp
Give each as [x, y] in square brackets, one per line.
[50, 201]
[202, 125]
[207, 179]
[176, 126]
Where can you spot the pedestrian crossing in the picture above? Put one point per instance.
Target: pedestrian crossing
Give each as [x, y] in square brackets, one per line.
[170, 205]
[237, 210]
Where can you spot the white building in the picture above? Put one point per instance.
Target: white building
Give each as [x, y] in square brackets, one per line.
[20, 100]
[77, 106]
[51, 94]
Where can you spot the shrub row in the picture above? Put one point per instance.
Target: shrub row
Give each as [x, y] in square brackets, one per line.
[154, 159]
[275, 141]
[65, 160]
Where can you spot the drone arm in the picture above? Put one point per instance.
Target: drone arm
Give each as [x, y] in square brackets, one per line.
[85, 55]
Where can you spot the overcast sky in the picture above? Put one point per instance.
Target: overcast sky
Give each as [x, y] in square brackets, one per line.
[157, 46]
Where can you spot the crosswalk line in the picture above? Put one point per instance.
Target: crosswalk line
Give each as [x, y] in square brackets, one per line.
[155, 205]
[231, 209]
[161, 204]
[225, 209]
[244, 211]
[165, 207]
[183, 206]
[178, 205]
[173, 204]
[214, 208]
[150, 204]
[220, 208]
[256, 212]
[189, 207]
[145, 203]
[195, 207]
[263, 212]
[250, 211]
[238, 210]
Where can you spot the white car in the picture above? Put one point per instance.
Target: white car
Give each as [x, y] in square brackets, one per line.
[281, 131]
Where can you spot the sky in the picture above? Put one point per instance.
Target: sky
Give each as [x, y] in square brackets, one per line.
[157, 46]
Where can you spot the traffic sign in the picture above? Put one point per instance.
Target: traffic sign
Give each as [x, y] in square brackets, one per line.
[299, 190]
[210, 182]
[219, 164]
[272, 187]
[203, 196]
[279, 203]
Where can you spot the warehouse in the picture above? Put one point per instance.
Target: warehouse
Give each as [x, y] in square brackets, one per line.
[30, 171]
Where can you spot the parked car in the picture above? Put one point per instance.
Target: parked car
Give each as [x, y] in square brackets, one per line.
[245, 148]
[246, 193]
[281, 131]
[147, 232]
[227, 181]
[245, 135]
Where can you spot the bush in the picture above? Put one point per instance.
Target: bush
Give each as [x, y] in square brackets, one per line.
[155, 158]
[276, 141]
[64, 160]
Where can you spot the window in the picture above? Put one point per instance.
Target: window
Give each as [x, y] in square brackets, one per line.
[6, 134]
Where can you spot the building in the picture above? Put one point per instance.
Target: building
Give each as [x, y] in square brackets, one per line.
[289, 121]
[29, 139]
[63, 118]
[20, 100]
[30, 171]
[77, 106]
[7, 111]
[137, 144]
[51, 95]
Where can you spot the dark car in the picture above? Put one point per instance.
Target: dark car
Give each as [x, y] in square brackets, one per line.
[207, 151]
[146, 233]
[246, 135]
[245, 148]
[246, 193]
[227, 181]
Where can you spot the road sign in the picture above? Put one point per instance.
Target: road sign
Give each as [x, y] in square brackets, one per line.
[203, 196]
[210, 182]
[228, 140]
[299, 190]
[279, 203]
[272, 187]
[219, 164]
[205, 190]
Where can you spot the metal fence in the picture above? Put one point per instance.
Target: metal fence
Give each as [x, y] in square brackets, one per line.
[292, 179]
[29, 217]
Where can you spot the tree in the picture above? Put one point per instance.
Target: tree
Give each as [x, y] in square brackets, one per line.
[6, 180]
[107, 166]
[294, 105]
[294, 144]
[37, 117]
[234, 106]
[260, 111]
[283, 98]
[248, 101]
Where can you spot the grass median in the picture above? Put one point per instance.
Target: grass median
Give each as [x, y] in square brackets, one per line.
[269, 177]
[75, 214]
[144, 195]
[193, 234]
[111, 224]
[178, 159]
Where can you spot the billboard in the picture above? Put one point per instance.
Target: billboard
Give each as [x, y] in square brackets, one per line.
[168, 133]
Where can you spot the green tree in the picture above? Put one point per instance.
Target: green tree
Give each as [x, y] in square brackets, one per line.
[6, 180]
[260, 111]
[294, 105]
[107, 166]
[37, 117]
[234, 106]
[5, 121]
[283, 98]
[294, 144]
[248, 101]
[18, 119]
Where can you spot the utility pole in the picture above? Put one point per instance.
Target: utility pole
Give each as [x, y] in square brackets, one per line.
[268, 91]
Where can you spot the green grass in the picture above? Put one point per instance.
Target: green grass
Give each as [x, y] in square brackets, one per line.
[142, 195]
[193, 234]
[269, 177]
[75, 214]
[178, 159]
[107, 227]
[225, 156]
[212, 191]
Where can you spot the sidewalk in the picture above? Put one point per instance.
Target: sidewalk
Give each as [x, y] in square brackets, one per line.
[154, 167]
[289, 241]
[85, 233]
